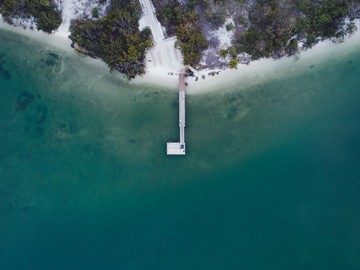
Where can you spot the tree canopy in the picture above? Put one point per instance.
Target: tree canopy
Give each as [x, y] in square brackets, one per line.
[48, 18]
[277, 25]
[183, 21]
[115, 38]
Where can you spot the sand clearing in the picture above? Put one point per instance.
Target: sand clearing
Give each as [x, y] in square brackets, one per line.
[163, 61]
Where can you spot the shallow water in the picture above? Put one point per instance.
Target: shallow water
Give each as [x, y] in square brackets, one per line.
[271, 179]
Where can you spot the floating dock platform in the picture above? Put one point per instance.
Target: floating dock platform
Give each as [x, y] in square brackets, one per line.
[178, 148]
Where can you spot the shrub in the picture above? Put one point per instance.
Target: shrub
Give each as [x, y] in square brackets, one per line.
[115, 38]
[233, 63]
[229, 27]
[293, 47]
[44, 11]
[223, 53]
[95, 12]
[232, 51]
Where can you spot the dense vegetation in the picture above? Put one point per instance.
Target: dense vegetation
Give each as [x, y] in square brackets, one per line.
[182, 21]
[276, 26]
[270, 28]
[48, 18]
[264, 28]
[323, 19]
[115, 38]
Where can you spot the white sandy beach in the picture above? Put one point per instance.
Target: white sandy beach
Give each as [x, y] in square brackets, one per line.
[267, 69]
[245, 75]
[59, 39]
[256, 72]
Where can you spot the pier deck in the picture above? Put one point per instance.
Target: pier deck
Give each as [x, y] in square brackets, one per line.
[178, 148]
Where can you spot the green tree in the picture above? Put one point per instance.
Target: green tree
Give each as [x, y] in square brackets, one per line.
[115, 38]
[95, 12]
[293, 47]
[44, 11]
[233, 63]
[229, 27]
[223, 53]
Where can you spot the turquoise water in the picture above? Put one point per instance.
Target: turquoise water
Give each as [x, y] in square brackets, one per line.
[271, 179]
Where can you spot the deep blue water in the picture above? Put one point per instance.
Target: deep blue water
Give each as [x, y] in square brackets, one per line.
[271, 179]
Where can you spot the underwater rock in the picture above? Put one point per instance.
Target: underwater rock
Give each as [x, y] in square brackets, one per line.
[4, 74]
[41, 112]
[23, 100]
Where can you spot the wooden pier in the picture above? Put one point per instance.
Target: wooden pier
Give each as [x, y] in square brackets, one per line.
[178, 148]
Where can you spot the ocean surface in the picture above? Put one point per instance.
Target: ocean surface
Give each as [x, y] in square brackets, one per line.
[271, 180]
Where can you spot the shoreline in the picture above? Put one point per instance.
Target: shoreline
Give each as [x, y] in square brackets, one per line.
[266, 69]
[57, 39]
[255, 72]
